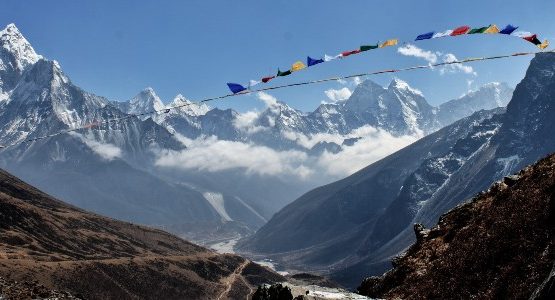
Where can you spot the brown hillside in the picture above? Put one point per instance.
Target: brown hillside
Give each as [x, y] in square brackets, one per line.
[65, 248]
[500, 245]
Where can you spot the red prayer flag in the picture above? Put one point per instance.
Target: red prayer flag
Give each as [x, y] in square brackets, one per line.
[347, 53]
[460, 30]
[266, 79]
[533, 39]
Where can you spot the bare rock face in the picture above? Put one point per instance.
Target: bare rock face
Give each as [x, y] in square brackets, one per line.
[30, 290]
[499, 245]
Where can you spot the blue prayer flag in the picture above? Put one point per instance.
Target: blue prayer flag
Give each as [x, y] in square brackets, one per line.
[236, 88]
[425, 36]
[508, 29]
[311, 61]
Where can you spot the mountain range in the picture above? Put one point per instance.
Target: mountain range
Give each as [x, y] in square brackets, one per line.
[114, 169]
[354, 227]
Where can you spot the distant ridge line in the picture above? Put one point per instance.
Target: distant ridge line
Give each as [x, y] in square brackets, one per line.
[250, 91]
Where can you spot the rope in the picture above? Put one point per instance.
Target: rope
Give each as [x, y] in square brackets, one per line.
[168, 109]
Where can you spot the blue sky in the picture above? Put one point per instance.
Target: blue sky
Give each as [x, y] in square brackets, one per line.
[117, 48]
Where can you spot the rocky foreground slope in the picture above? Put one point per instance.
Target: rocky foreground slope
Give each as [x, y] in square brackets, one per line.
[500, 245]
[64, 248]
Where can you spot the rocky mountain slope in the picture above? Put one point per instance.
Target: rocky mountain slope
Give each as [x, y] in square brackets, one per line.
[30, 290]
[499, 245]
[373, 210]
[68, 249]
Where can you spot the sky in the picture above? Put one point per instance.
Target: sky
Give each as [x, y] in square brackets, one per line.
[117, 48]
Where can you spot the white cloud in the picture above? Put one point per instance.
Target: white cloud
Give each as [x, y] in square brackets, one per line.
[309, 141]
[213, 155]
[246, 122]
[373, 145]
[106, 151]
[412, 50]
[268, 99]
[338, 95]
[435, 57]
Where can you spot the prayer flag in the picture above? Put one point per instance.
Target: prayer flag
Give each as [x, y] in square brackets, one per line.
[268, 78]
[311, 61]
[442, 34]
[492, 29]
[368, 47]
[387, 43]
[297, 66]
[508, 29]
[280, 73]
[425, 36]
[478, 30]
[460, 30]
[235, 87]
[347, 53]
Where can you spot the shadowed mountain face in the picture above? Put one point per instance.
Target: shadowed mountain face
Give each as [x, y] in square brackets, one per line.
[498, 246]
[356, 225]
[68, 249]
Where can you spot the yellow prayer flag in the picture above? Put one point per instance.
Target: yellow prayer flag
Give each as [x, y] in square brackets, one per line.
[492, 29]
[544, 45]
[297, 66]
[392, 42]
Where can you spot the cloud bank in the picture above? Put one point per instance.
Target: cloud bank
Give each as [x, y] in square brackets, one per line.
[106, 151]
[212, 155]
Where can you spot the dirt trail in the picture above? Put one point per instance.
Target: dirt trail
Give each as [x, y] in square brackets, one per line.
[228, 281]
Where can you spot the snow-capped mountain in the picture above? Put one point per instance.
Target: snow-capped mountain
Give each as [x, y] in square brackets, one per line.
[144, 102]
[108, 168]
[15, 55]
[374, 209]
[489, 96]
[398, 109]
[187, 107]
[147, 102]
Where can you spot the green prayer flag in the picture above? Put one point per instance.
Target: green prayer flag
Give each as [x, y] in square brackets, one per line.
[478, 30]
[280, 73]
[368, 47]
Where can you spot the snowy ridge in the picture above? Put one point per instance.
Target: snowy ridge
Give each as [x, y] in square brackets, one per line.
[15, 43]
[145, 101]
[190, 108]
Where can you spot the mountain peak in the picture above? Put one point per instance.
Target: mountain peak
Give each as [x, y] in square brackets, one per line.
[399, 84]
[188, 107]
[145, 101]
[180, 99]
[13, 42]
[148, 89]
[11, 27]
[532, 97]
